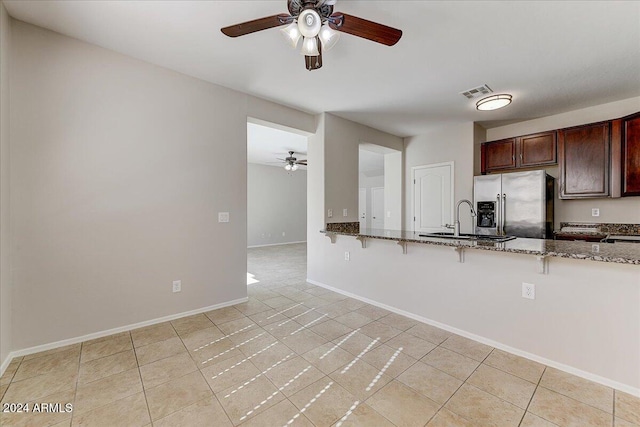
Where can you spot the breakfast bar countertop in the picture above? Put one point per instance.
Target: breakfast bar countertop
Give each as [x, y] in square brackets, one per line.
[623, 253]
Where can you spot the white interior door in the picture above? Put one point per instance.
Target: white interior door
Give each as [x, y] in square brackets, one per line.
[362, 208]
[377, 207]
[433, 197]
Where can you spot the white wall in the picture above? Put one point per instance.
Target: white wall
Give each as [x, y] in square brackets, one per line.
[393, 178]
[479, 136]
[333, 179]
[586, 315]
[316, 211]
[118, 171]
[276, 204]
[5, 248]
[369, 182]
[342, 140]
[447, 143]
[621, 210]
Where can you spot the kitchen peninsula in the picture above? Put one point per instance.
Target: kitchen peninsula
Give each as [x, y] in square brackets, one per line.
[585, 318]
[626, 253]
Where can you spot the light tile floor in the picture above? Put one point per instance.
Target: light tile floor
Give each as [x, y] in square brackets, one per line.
[297, 354]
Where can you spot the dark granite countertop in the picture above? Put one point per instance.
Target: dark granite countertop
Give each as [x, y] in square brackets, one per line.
[595, 230]
[624, 253]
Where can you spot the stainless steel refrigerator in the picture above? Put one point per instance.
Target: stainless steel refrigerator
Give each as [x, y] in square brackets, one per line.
[515, 204]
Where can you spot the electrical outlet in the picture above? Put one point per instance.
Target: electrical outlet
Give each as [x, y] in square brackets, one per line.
[528, 290]
[595, 212]
[284, 234]
[330, 213]
[344, 212]
[388, 214]
[595, 248]
[347, 256]
[223, 216]
[177, 285]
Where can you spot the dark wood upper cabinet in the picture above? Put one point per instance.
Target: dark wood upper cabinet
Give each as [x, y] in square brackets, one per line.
[631, 155]
[527, 151]
[537, 150]
[583, 153]
[499, 155]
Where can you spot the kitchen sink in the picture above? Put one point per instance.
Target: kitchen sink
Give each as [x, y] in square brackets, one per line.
[468, 236]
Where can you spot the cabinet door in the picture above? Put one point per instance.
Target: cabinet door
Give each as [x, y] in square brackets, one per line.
[631, 156]
[537, 150]
[500, 154]
[584, 161]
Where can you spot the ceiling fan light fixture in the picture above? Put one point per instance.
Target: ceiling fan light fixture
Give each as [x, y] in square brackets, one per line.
[294, 167]
[309, 23]
[310, 46]
[494, 102]
[328, 36]
[287, 167]
[292, 34]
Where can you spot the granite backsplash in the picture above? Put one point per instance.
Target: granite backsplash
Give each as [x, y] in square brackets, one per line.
[604, 228]
[344, 227]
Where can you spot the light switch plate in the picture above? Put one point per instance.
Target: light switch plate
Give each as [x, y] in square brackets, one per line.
[177, 285]
[344, 212]
[223, 216]
[595, 212]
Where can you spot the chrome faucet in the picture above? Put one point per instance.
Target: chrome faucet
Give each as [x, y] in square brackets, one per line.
[456, 224]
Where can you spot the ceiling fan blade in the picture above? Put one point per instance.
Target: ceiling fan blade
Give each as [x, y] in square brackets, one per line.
[256, 25]
[302, 162]
[366, 29]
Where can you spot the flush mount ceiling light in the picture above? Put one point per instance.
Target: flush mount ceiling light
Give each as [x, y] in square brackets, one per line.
[494, 102]
[318, 26]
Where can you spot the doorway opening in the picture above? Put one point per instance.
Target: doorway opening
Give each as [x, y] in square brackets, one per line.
[276, 188]
[380, 187]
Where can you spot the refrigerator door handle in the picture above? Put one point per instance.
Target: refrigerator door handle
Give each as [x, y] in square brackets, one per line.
[498, 214]
[504, 212]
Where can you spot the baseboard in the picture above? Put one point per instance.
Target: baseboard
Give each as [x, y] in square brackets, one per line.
[557, 365]
[276, 244]
[62, 343]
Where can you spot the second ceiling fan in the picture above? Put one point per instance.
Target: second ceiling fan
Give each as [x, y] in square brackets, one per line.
[316, 24]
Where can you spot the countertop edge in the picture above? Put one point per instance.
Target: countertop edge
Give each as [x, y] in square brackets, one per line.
[500, 247]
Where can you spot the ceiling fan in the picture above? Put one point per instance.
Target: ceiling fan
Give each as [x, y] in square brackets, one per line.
[316, 24]
[292, 163]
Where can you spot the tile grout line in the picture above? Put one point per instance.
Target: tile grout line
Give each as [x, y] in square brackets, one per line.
[613, 411]
[262, 373]
[279, 390]
[108, 376]
[531, 399]
[144, 391]
[199, 369]
[301, 411]
[75, 390]
[460, 386]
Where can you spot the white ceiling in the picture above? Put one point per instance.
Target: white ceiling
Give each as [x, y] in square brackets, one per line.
[553, 56]
[266, 145]
[370, 163]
